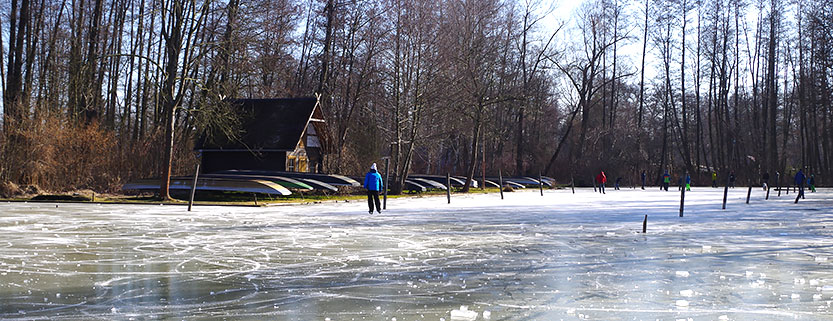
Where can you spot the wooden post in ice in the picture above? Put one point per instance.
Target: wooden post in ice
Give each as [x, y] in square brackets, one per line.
[682, 200]
[387, 180]
[193, 187]
[573, 184]
[725, 192]
[645, 224]
[767, 191]
[749, 193]
[540, 184]
[500, 181]
[448, 185]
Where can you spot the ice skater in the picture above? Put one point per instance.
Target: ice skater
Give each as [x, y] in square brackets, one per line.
[687, 182]
[616, 184]
[799, 182]
[601, 179]
[765, 180]
[811, 183]
[373, 184]
[643, 179]
[732, 179]
[714, 179]
[666, 180]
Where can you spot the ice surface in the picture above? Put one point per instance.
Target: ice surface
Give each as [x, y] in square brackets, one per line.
[561, 256]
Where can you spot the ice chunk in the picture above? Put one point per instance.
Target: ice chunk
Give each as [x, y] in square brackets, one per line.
[487, 314]
[682, 303]
[827, 288]
[816, 297]
[682, 274]
[749, 274]
[723, 317]
[464, 314]
[821, 259]
[687, 293]
[814, 282]
[795, 296]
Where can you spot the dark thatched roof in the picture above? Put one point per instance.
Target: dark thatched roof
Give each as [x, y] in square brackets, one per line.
[268, 125]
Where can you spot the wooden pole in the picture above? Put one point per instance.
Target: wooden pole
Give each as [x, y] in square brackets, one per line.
[448, 185]
[725, 192]
[767, 191]
[682, 201]
[645, 224]
[193, 187]
[255, 197]
[573, 184]
[540, 184]
[749, 193]
[387, 181]
[500, 181]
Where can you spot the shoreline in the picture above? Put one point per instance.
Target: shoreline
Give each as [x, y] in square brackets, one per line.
[239, 202]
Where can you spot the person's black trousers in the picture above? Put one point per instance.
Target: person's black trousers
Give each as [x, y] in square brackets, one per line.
[373, 197]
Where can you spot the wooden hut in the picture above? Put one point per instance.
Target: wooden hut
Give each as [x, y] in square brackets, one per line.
[277, 135]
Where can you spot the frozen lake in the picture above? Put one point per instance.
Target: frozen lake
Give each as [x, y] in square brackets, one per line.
[561, 256]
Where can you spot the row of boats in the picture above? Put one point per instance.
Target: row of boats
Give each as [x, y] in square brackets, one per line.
[287, 183]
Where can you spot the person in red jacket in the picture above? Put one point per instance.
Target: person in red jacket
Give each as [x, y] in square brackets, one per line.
[601, 179]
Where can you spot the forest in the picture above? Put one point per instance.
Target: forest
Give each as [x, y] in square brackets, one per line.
[99, 92]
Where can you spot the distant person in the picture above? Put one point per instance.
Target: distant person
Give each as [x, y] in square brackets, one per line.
[666, 180]
[643, 179]
[373, 184]
[732, 179]
[765, 180]
[687, 182]
[616, 184]
[601, 179]
[714, 179]
[799, 182]
[778, 182]
[679, 183]
[812, 183]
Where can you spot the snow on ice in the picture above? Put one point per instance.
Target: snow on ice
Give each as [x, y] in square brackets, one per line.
[562, 256]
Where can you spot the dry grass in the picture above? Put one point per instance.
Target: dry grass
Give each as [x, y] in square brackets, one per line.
[58, 156]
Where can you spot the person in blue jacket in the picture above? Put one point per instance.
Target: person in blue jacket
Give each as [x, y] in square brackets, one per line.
[373, 184]
[687, 182]
[799, 182]
[643, 179]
